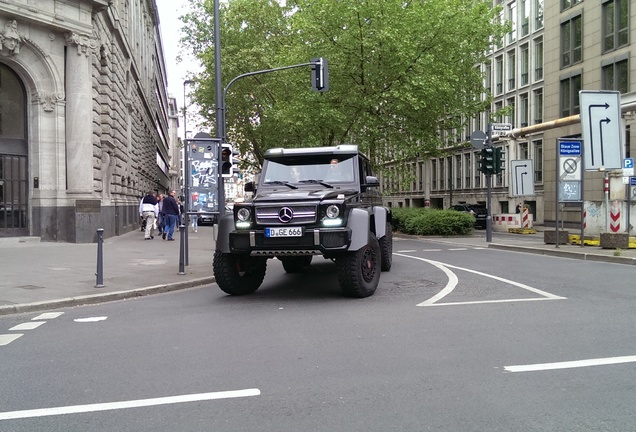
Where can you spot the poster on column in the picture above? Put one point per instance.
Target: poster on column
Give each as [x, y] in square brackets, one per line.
[203, 175]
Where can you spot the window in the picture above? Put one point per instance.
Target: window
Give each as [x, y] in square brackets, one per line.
[570, 88]
[497, 114]
[537, 160]
[524, 16]
[571, 42]
[510, 103]
[488, 77]
[538, 59]
[616, 76]
[434, 174]
[512, 70]
[477, 182]
[499, 75]
[14, 107]
[523, 110]
[458, 171]
[467, 170]
[512, 17]
[566, 4]
[524, 64]
[537, 102]
[538, 14]
[615, 24]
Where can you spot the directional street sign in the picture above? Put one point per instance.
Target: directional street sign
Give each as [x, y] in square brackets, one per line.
[522, 174]
[601, 125]
[501, 127]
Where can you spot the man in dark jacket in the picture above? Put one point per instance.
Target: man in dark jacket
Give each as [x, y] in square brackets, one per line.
[171, 211]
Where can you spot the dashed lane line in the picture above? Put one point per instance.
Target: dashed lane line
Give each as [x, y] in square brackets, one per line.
[570, 364]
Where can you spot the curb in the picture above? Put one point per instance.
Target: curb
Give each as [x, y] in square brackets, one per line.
[103, 297]
[566, 254]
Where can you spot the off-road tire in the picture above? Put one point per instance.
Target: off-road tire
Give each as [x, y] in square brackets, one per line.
[386, 248]
[359, 271]
[238, 274]
[295, 264]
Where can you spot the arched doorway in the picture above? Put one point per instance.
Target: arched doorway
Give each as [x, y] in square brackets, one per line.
[14, 185]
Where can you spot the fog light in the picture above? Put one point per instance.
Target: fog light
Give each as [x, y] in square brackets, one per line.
[331, 222]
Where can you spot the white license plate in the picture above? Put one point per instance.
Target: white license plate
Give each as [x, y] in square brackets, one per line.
[284, 232]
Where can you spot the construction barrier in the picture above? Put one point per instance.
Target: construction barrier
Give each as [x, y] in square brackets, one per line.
[506, 221]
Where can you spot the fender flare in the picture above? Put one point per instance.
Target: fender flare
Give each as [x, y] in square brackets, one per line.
[359, 224]
[382, 215]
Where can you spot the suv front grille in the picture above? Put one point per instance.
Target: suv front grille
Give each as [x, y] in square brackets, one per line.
[301, 215]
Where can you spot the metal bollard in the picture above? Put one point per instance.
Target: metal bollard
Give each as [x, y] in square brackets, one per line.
[100, 259]
[181, 249]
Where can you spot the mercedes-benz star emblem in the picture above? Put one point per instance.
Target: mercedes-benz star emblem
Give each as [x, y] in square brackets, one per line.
[285, 214]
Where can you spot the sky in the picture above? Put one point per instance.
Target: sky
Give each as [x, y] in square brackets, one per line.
[170, 27]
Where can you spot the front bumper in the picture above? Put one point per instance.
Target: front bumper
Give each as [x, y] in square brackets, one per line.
[314, 241]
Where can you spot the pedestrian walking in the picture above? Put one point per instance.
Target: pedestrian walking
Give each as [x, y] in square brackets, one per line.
[171, 212]
[161, 222]
[148, 210]
[195, 222]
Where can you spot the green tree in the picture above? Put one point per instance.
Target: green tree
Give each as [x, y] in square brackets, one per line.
[399, 71]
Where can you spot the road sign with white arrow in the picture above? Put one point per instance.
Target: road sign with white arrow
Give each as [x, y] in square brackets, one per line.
[601, 125]
[522, 176]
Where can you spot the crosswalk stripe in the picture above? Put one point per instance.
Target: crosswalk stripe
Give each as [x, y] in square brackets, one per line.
[6, 339]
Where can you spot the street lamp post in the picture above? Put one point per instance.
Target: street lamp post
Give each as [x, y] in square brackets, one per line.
[186, 174]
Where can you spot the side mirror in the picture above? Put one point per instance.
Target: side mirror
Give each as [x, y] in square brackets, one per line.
[249, 186]
[371, 181]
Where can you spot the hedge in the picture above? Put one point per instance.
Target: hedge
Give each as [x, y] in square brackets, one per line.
[428, 221]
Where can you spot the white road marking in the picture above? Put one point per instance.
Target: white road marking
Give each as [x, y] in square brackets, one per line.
[91, 319]
[431, 250]
[457, 249]
[47, 316]
[570, 364]
[27, 326]
[452, 283]
[408, 251]
[76, 409]
[6, 339]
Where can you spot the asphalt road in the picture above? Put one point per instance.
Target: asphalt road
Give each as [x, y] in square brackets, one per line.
[455, 339]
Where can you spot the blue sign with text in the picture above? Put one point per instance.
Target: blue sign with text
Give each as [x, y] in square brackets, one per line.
[570, 148]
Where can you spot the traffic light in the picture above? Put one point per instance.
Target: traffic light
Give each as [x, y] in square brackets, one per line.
[487, 160]
[499, 162]
[319, 75]
[226, 160]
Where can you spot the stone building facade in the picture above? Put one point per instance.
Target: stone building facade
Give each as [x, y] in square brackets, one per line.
[85, 120]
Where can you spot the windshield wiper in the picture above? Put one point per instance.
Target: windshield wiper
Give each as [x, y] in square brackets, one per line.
[317, 182]
[278, 182]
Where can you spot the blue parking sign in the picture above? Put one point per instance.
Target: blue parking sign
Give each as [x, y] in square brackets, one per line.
[628, 163]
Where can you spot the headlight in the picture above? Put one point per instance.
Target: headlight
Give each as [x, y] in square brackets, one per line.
[332, 211]
[243, 214]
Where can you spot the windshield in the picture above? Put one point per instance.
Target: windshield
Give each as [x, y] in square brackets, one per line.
[305, 170]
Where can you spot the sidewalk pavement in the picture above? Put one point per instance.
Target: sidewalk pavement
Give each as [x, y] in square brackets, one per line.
[42, 275]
